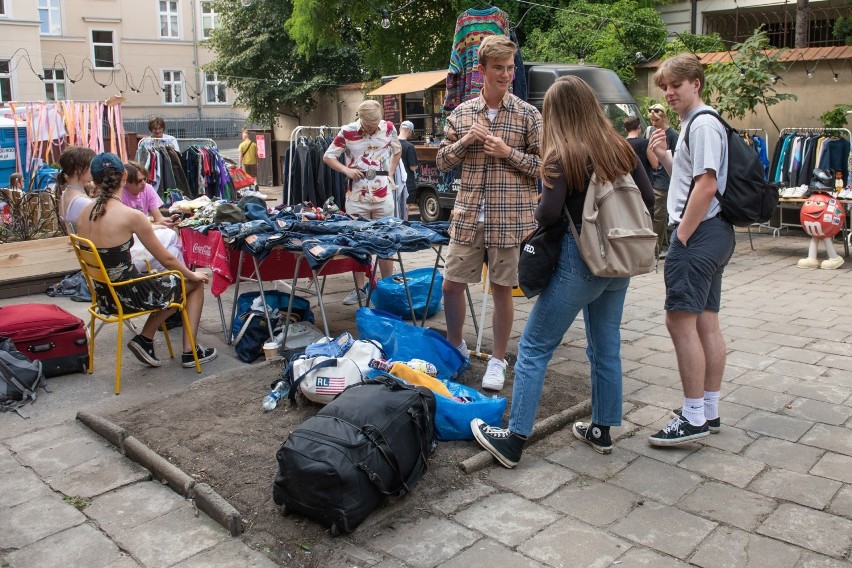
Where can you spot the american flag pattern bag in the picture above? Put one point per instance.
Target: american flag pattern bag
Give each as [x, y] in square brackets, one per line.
[321, 378]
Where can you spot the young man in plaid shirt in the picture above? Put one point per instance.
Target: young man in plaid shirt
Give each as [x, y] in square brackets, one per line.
[495, 139]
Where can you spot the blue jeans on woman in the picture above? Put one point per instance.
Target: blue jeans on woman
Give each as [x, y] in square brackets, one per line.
[571, 289]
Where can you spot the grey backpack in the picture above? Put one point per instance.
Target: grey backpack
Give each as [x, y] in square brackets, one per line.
[19, 377]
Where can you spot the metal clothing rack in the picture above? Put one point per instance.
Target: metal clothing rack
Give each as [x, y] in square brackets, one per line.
[294, 141]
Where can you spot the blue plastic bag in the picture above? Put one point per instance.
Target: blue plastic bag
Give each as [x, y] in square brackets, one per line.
[404, 341]
[452, 418]
[390, 296]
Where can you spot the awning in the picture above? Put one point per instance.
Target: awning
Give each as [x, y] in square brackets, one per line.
[411, 83]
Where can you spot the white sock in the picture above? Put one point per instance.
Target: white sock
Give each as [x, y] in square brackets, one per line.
[711, 405]
[693, 410]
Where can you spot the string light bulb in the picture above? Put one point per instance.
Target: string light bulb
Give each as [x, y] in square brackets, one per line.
[835, 77]
[810, 73]
[385, 19]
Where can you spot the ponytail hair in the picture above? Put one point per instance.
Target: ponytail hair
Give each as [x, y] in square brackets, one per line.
[108, 186]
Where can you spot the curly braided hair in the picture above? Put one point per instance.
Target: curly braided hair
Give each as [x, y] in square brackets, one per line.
[107, 187]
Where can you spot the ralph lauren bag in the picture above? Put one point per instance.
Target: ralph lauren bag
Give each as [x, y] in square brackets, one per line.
[539, 254]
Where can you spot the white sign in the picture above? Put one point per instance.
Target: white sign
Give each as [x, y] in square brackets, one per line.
[7, 154]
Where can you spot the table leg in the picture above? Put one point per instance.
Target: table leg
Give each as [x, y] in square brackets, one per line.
[407, 290]
[263, 297]
[236, 294]
[431, 285]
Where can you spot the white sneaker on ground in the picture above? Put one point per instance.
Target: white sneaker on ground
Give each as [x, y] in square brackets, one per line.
[495, 374]
[354, 295]
[832, 263]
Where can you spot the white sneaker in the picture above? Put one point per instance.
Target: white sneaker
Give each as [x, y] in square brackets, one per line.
[354, 295]
[495, 374]
[463, 350]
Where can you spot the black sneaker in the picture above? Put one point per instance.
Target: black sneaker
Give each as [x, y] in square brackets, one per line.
[144, 350]
[679, 431]
[204, 355]
[713, 425]
[504, 445]
[596, 436]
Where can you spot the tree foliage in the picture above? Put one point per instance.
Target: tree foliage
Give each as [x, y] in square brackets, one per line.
[687, 41]
[258, 59]
[843, 25]
[749, 81]
[615, 36]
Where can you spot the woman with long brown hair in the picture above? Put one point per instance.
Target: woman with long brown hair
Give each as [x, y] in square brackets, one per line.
[111, 227]
[70, 183]
[577, 141]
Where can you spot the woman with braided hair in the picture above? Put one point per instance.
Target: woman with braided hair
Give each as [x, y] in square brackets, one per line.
[111, 226]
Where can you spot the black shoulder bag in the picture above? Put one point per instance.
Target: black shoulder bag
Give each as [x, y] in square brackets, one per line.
[540, 252]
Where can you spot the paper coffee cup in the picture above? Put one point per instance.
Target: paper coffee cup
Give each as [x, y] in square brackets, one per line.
[271, 351]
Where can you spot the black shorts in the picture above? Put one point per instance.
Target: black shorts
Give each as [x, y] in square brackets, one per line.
[693, 273]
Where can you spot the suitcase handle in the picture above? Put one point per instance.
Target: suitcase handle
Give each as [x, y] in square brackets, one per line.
[41, 347]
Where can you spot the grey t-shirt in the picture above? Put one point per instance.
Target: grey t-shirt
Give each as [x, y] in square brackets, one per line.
[707, 150]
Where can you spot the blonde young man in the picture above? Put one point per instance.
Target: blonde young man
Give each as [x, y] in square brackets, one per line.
[495, 138]
[372, 151]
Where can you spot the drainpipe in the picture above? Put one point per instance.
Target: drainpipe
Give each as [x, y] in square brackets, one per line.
[693, 15]
[196, 67]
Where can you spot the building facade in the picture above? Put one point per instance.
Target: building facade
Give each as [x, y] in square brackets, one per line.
[149, 51]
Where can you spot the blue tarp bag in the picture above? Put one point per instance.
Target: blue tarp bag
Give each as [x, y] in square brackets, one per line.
[249, 330]
[390, 296]
[404, 341]
[452, 419]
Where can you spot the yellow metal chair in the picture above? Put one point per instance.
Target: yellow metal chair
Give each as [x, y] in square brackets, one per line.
[94, 271]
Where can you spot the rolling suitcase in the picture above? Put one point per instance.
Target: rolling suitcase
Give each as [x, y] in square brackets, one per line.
[47, 333]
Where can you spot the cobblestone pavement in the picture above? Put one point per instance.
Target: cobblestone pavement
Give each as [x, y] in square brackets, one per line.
[773, 488]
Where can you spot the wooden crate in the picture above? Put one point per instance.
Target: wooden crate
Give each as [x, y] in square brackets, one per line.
[36, 259]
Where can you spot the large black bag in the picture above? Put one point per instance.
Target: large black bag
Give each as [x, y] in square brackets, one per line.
[19, 377]
[748, 198]
[368, 444]
[539, 255]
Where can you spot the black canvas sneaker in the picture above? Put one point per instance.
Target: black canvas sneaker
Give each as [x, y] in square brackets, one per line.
[596, 436]
[504, 445]
[679, 431]
[204, 355]
[713, 425]
[144, 350]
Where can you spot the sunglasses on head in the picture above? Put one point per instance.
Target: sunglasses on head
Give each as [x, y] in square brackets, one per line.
[656, 110]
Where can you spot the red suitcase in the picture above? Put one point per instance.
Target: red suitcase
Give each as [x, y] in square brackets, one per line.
[48, 333]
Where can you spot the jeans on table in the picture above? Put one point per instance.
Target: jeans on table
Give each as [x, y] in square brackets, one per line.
[572, 288]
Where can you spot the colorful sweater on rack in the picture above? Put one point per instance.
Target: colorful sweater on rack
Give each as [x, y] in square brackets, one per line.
[464, 81]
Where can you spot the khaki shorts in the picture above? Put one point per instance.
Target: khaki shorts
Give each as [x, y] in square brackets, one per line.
[366, 210]
[464, 262]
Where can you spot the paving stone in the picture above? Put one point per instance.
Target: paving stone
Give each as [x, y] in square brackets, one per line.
[7, 461]
[732, 413]
[811, 560]
[836, 377]
[842, 503]
[83, 545]
[19, 486]
[506, 518]
[723, 466]
[663, 528]
[651, 374]
[232, 552]
[657, 480]
[837, 362]
[802, 488]
[785, 339]
[98, 476]
[133, 505]
[726, 504]
[638, 443]
[569, 543]
[645, 558]
[750, 360]
[733, 548]
[783, 454]
[818, 411]
[821, 391]
[459, 498]
[579, 457]
[769, 424]
[814, 530]
[648, 414]
[629, 386]
[834, 466]
[592, 501]
[425, 543]
[36, 519]
[831, 438]
[532, 479]
[807, 356]
[794, 369]
[663, 397]
[52, 458]
[767, 381]
[68, 430]
[173, 537]
[496, 555]
[730, 439]
[759, 398]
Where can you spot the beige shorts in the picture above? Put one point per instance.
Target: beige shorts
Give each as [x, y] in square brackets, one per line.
[464, 262]
[366, 210]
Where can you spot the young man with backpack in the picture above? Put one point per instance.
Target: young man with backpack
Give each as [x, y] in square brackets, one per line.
[701, 245]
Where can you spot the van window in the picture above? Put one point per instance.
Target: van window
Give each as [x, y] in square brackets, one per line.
[616, 112]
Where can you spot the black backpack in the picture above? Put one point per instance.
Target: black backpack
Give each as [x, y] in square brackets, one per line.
[748, 197]
[19, 377]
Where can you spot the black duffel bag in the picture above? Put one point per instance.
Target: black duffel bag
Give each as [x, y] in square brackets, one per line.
[369, 444]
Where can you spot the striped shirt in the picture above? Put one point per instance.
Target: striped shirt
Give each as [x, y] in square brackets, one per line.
[505, 187]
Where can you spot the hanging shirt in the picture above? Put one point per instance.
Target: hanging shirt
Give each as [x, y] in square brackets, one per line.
[367, 152]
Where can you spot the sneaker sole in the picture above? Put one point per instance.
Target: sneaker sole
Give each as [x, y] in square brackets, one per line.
[677, 441]
[142, 355]
[599, 449]
[713, 429]
[490, 449]
[191, 364]
[492, 387]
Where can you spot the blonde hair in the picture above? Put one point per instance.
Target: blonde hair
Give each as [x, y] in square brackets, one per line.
[496, 47]
[683, 67]
[577, 139]
[370, 112]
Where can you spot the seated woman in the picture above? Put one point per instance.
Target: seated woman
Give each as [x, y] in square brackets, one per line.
[111, 226]
[140, 195]
[73, 175]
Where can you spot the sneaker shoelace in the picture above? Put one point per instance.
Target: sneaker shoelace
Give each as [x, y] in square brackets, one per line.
[673, 426]
[495, 432]
[495, 366]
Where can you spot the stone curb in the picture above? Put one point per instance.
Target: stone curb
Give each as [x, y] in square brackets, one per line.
[543, 428]
[213, 504]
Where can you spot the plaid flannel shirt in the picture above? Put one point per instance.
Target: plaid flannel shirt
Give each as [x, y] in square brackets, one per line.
[505, 187]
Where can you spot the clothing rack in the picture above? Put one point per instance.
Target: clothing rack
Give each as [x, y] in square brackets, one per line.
[294, 140]
[816, 130]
